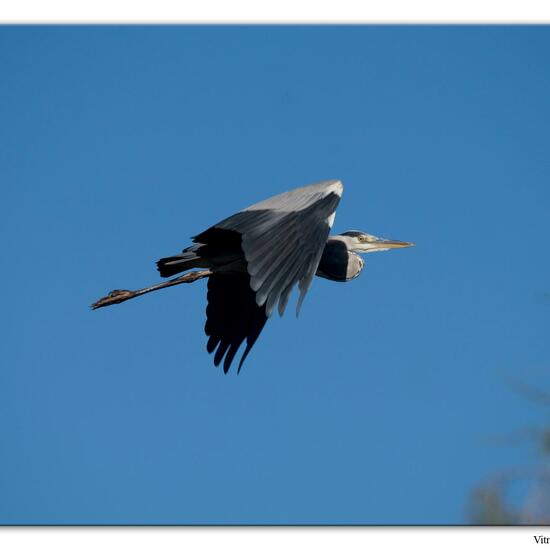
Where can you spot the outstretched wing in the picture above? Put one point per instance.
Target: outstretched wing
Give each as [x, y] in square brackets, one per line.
[282, 239]
[232, 315]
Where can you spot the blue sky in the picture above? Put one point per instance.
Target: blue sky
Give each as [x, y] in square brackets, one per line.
[379, 403]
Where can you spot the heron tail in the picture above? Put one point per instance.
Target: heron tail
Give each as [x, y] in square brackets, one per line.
[173, 265]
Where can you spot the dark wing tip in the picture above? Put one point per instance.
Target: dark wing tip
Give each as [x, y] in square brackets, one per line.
[232, 316]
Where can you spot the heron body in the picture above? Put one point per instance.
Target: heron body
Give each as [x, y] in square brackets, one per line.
[260, 254]
[338, 262]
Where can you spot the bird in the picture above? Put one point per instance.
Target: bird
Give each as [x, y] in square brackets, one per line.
[257, 256]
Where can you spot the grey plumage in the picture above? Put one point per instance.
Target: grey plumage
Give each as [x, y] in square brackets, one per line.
[282, 239]
[261, 253]
[338, 263]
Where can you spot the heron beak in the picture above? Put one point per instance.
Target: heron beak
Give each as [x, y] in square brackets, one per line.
[378, 244]
[388, 243]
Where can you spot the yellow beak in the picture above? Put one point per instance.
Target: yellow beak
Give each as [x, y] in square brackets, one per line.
[383, 243]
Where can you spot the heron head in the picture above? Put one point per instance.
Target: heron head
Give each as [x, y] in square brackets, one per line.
[358, 241]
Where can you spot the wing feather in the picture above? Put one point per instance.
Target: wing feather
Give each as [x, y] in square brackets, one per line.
[232, 316]
[303, 235]
[283, 239]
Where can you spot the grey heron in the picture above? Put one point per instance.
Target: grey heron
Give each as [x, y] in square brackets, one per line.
[256, 257]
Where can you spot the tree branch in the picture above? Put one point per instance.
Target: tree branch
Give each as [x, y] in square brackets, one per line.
[119, 296]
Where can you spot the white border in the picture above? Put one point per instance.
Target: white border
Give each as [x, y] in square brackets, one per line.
[281, 11]
[267, 538]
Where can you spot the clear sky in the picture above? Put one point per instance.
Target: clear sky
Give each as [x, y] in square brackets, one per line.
[381, 402]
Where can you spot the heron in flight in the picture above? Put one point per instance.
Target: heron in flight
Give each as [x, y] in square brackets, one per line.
[256, 257]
